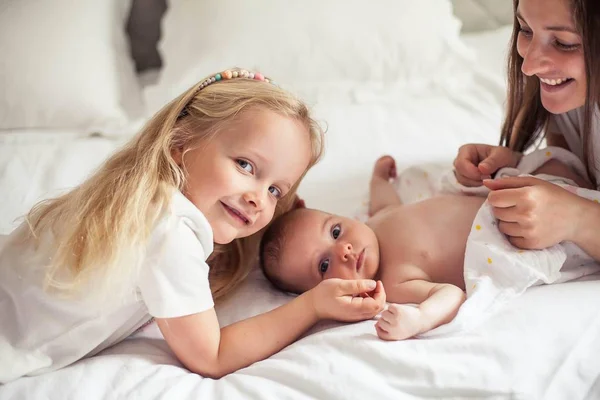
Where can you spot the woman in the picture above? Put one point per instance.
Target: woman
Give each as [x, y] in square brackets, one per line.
[553, 91]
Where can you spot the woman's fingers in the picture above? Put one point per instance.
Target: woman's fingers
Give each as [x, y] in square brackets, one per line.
[505, 198]
[512, 229]
[499, 157]
[466, 170]
[506, 214]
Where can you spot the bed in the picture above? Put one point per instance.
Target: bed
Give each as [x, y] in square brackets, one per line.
[405, 82]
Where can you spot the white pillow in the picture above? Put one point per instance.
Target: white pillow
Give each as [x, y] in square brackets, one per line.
[66, 64]
[492, 49]
[405, 43]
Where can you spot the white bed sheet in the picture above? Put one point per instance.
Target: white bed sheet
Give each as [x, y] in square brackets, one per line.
[544, 345]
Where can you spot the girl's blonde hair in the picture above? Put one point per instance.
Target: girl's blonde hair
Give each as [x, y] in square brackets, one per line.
[100, 228]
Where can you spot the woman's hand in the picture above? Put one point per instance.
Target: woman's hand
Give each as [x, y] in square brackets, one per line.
[533, 213]
[347, 300]
[476, 162]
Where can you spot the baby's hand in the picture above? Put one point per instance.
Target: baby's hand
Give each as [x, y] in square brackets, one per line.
[385, 168]
[399, 322]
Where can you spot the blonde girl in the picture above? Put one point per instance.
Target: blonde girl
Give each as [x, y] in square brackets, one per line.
[136, 239]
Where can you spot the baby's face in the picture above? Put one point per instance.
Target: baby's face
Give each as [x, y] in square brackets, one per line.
[322, 246]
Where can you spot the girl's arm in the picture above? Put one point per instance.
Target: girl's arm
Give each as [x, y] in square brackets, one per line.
[438, 304]
[204, 348]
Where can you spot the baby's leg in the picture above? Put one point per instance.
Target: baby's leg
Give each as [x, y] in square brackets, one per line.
[383, 193]
[557, 168]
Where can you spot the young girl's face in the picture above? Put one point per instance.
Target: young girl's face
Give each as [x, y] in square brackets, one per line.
[237, 177]
[552, 52]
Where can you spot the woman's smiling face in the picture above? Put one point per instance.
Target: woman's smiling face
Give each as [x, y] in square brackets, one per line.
[552, 52]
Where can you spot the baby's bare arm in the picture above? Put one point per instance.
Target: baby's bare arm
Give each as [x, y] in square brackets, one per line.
[437, 303]
[557, 168]
[382, 192]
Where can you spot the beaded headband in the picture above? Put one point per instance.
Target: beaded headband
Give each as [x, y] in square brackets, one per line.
[226, 75]
[229, 74]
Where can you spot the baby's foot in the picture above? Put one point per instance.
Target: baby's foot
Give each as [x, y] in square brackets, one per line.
[385, 168]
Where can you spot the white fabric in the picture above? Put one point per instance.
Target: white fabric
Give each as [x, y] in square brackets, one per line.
[483, 15]
[313, 44]
[36, 165]
[544, 345]
[491, 49]
[174, 282]
[66, 64]
[570, 125]
[46, 332]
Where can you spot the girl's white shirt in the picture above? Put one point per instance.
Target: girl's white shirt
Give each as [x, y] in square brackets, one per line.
[42, 332]
[570, 125]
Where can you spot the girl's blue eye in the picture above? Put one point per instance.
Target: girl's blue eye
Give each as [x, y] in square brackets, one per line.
[274, 191]
[245, 165]
[336, 231]
[324, 266]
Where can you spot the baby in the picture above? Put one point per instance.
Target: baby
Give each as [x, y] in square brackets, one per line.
[416, 250]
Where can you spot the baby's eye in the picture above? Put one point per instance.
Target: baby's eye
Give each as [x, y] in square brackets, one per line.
[275, 191]
[245, 165]
[336, 231]
[324, 266]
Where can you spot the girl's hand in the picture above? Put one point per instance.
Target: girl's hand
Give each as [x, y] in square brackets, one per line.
[533, 213]
[399, 322]
[476, 162]
[342, 300]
